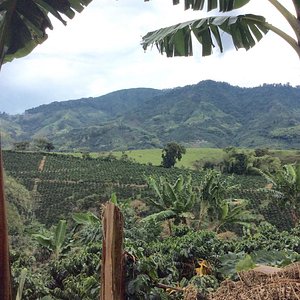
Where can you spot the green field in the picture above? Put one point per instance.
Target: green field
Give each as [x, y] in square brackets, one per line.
[153, 156]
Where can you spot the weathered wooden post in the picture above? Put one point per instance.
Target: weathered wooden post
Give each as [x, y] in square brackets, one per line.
[5, 284]
[112, 272]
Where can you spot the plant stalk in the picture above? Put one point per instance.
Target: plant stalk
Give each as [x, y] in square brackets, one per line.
[297, 8]
[292, 42]
[292, 20]
[5, 284]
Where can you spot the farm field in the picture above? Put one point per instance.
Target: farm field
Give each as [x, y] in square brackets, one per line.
[153, 156]
[64, 186]
[67, 183]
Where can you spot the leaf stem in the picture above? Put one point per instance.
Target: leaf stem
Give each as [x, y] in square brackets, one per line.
[292, 20]
[285, 36]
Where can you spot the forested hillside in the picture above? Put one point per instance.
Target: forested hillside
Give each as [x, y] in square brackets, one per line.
[209, 113]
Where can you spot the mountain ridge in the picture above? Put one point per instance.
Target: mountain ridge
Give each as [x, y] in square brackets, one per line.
[209, 113]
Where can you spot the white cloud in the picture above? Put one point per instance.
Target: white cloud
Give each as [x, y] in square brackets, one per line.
[99, 51]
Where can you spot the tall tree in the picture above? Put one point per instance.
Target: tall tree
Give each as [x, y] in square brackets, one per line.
[245, 30]
[171, 153]
[43, 144]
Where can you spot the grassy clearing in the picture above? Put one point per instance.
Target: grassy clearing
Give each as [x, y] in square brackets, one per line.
[153, 156]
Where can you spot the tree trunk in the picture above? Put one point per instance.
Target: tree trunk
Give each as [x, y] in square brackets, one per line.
[112, 272]
[5, 285]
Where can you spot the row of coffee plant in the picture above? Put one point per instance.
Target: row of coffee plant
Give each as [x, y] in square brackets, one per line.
[66, 183]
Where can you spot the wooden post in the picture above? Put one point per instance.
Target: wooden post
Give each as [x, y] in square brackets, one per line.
[112, 272]
[5, 284]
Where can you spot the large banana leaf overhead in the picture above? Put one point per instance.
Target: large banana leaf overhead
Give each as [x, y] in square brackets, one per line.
[245, 30]
[23, 23]
[222, 5]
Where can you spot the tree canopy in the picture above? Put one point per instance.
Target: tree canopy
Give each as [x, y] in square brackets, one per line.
[170, 154]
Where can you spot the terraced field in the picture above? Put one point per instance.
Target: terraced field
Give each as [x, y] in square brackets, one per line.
[64, 184]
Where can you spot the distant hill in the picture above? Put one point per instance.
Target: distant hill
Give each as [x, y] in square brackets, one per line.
[209, 113]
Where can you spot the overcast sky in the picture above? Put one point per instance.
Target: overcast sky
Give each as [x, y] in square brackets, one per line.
[99, 52]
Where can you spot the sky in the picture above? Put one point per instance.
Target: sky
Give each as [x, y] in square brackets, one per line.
[99, 52]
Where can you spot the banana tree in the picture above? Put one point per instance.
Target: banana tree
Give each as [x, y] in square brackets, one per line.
[175, 201]
[285, 186]
[245, 30]
[212, 190]
[56, 241]
[232, 212]
[23, 24]
[91, 227]
[5, 283]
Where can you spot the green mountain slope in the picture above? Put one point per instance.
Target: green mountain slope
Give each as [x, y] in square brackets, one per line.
[206, 114]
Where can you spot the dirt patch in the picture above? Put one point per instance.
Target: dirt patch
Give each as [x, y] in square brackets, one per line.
[42, 164]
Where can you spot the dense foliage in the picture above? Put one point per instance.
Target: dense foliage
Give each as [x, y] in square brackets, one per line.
[67, 184]
[171, 153]
[58, 242]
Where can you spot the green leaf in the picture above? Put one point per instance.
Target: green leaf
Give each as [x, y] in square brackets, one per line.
[229, 262]
[245, 264]
[113, 199]
[275, 258]
[178, 186]
[85, 218]
[59, 236]
[224, 210]
[43, 240]
[245, 30]
[23, 24]
[223, 5]
[160, 216]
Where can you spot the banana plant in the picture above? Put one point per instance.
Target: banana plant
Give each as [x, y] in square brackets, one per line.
[23, 24]
[245, 30]
[285, 186]
[56, 241]
[213, 189]
[91, 229]
[175, 201]
[233, 212]
[5, 281]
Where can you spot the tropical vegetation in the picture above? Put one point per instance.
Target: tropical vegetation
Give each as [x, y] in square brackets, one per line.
[245, 30]
[185, 230]
[55, 247]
